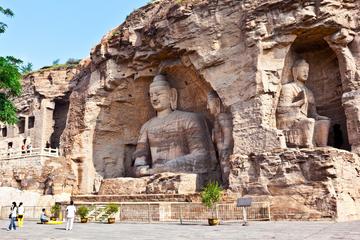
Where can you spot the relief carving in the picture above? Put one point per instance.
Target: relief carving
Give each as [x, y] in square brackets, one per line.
[221, 134]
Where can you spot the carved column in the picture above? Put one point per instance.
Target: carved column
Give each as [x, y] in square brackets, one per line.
[345, 44]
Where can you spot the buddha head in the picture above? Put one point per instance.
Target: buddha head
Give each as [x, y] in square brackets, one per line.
[213, 103]
[162, 96]
[300, 70]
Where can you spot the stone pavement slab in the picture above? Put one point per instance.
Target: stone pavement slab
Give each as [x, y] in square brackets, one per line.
[256, 230]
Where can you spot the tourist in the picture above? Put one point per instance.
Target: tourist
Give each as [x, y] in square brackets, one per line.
[43, 216]
[29, 148]
[10, 150]
[12, 217]
[20, 214]
[23, 147]
[70, 210]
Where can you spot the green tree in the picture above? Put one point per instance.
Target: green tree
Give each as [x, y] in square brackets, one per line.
[6, 12]
[56, 62]
[10, 76]
[26, 68]
[72, 61]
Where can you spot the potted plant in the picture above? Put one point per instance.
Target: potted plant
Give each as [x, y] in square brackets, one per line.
[210, 196]
[83, 211]
[110, 210]
[55, 211]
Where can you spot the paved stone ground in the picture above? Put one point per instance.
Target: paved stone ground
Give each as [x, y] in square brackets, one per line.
[256, 230]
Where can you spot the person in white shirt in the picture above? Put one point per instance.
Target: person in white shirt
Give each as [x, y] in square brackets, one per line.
[70, 210]
[12, 216]
[20, 214]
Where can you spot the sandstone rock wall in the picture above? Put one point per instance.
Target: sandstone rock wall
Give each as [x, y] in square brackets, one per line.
[43, 109]
[243, 50]
[303, 184]
[46, 176]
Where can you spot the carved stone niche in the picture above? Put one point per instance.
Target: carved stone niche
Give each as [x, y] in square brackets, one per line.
[324, 81]
[127, 108]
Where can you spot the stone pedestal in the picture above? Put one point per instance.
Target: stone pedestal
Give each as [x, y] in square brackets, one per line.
[164, 183]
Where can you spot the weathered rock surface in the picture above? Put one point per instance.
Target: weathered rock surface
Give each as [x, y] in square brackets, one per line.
[244, 50]
[48, 176]
[303, 184]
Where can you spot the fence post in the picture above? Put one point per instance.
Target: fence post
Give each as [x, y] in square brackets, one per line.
[120, 212]
[149, 215]
[216, 211]
[181, 220]
[95, 215]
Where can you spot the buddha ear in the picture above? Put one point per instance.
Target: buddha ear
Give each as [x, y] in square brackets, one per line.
[173, 99]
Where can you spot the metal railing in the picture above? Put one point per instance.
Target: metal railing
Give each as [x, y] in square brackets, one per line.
[29, 153]
[158, 212]
[153, 212]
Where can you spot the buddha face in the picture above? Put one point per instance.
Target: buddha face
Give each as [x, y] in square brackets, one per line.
[301, 72]
[160, 98]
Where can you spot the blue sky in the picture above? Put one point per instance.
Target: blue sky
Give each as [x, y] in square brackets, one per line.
[45, 30]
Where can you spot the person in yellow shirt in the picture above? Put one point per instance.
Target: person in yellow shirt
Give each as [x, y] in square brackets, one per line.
[20, 215]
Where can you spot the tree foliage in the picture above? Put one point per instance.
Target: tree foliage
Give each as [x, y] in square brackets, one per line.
[56, 62]
[6, 12]
[211, 195]
[26, 68]
[10, 76]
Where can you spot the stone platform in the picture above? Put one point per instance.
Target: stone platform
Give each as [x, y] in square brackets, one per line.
[195, 197]
[163, 183]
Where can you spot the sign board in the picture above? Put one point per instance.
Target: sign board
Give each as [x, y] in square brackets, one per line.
[244, 202]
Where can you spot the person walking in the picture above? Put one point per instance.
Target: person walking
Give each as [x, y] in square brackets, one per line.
[70, 215]
[12, 217]
[20, 214]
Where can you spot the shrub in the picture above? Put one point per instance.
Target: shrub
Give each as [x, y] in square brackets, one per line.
[55, 210]
[83, 211]
[111, 209]
[211, 195]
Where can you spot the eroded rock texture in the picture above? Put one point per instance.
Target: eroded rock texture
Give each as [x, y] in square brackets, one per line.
[244, 51]
[304, 184]
[43, 109]
[49, 176]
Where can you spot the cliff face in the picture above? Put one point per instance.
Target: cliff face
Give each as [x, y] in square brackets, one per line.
[244, 50]
[43, 109]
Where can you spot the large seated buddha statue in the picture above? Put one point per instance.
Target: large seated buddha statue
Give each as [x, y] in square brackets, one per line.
[173, 141]
[296, 112]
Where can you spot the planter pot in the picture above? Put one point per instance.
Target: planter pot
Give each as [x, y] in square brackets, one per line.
[111, 220]
[84, 220]
[213, 221]
[53, 218]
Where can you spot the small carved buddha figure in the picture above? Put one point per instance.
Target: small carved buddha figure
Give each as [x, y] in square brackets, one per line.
[173, 141]
[221, 134]
[296, 112]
